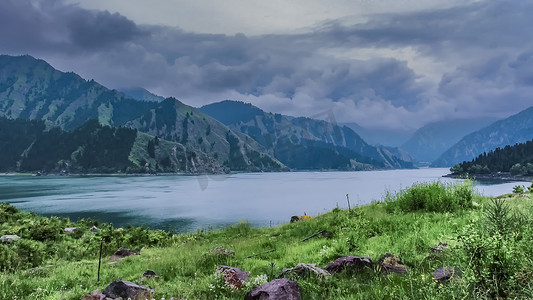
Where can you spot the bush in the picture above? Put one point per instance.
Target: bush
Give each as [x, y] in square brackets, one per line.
[432, 197]
[492, 248]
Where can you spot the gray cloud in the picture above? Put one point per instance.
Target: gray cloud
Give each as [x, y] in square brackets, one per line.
[481, 53]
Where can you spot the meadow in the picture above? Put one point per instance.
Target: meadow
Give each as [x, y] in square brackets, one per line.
[487, 242]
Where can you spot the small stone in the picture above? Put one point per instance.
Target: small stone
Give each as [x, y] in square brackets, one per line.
[149, 274]
[95, 295]
[305, 270]
[354, 263]
[234, 276]
[223, 251]
[127, 290]
[277, 289]
[439, 248]
[9, 238]
[389, 263]
[70, 229]
[121, 253]
[446, 273]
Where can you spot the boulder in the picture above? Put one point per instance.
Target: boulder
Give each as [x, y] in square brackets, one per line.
[122, 252]
[389, 263]
[9, 238]
[354, 263]
[277, 289]
[233, 276]
[223, 252]
[127, 290]
[305, 270]
[149, 274]
[446, 273]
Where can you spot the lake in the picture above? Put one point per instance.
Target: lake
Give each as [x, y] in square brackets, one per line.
[187, 203]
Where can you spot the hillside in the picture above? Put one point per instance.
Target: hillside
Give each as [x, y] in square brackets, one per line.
[412, 246]
[512, 130]
[27, 146]
[516, 160]
[175, 121]
[303, 143]
[32, 89]
[430, 141]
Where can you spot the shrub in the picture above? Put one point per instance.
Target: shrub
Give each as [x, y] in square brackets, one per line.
[492, 249]
[518, 189]
[432, 197]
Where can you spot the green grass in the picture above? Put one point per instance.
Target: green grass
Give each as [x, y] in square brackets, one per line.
[186, 267]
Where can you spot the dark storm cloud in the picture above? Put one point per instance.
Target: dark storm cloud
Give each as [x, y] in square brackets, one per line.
[96, 29]
[484, 49]
[51, 25]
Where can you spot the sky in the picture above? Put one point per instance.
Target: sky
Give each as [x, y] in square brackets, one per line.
[383, 64]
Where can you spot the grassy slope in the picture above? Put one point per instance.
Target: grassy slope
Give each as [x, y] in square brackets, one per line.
[186, 268]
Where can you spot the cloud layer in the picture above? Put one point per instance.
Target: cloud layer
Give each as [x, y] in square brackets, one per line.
[398, 70]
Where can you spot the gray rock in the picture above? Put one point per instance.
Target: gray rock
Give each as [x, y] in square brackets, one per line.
[9, 238]
[233, 276]
[439, 248]
[354, 263]
[389, 263]
[127, 290]
[70, 229]
[149, 274]
[305, 270]
[277, 289]
[95, 295]
[121, 253]
[223, 251]
[446, 273]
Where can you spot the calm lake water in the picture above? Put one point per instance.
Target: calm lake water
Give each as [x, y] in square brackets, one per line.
[187, 203]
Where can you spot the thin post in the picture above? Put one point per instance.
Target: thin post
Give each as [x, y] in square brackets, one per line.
[100, 258]
[348, 199]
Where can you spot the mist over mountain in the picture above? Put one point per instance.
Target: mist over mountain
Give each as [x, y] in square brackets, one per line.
[430, 141]
[387, 137]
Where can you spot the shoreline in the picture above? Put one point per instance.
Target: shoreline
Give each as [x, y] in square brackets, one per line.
[502, 176]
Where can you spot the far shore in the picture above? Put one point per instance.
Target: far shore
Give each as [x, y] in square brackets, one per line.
[500, 176]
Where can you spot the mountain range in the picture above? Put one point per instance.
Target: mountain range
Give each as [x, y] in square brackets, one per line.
[31, 89]
[303, 143]
[228, 135]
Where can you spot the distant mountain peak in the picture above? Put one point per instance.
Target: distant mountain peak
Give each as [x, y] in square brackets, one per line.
[517, 128]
